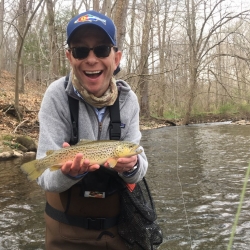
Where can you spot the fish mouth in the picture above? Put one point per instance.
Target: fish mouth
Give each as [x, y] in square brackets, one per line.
[138, 150]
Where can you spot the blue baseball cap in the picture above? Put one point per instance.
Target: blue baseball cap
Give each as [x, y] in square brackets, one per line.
[94, 18]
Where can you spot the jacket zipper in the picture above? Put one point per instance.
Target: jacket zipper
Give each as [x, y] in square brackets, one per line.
[100, 127]
[100, 124]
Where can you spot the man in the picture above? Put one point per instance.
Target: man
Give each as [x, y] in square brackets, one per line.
[75, 220]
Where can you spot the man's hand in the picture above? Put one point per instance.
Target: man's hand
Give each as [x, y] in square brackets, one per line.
[78, 166]
[124, 164]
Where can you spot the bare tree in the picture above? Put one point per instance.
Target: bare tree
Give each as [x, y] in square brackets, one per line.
[200, 45]
[119, 17]
[162, 33]
[106, 7]
[144, 71]
[96, 5]
[22, 16]
[53, 70]
[1, 34]
[131, 37]
[19, 59]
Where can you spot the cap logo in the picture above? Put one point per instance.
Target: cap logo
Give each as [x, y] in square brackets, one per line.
[90, 18]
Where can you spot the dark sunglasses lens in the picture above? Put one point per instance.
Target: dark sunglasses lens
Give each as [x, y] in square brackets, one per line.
[80, 52]
[102, 51]
[83, 52]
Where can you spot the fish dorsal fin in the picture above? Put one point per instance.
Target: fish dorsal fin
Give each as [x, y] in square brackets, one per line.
[84, 141]
[50, 152]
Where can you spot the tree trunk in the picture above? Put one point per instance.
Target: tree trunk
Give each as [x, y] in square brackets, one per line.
[143, 76]
[96, 6]
[106, 8]
[53, 74]
[22, 19]
[131, 37]
[119, 17]
[191, 30]
[162, 46]
[1, 34]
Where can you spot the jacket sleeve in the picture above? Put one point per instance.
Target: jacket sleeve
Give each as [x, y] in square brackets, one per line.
[55, 128]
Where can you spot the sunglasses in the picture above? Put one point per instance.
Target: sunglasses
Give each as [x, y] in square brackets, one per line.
[100, 51]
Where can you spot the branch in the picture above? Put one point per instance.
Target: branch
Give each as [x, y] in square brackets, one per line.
[224, 54]
[206, 20]
[220, 83]
[230, 55]
[19, 125]
[145, 75]
[200, 56]
[218, 25]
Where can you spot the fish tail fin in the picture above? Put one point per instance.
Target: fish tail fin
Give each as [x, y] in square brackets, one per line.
[30, 169]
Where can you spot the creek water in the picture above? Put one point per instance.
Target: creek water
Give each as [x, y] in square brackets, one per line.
[196, 175]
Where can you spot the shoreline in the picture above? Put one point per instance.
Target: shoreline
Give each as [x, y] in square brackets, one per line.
[8, 153]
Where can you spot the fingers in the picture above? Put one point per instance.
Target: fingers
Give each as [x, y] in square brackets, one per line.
[94, 167]
[78, 166]
[65, 144]
[124, 164]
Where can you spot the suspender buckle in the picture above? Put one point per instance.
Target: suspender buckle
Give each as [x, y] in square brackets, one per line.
[115, 130]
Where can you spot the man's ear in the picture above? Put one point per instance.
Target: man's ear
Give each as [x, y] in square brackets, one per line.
[118, 56]
[68, 55]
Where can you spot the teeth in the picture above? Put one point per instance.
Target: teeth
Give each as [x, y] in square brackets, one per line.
[92, 72]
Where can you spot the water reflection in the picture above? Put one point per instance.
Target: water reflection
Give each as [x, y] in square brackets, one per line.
[196, 175]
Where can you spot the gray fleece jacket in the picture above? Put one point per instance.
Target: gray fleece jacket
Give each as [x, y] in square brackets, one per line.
[56, 128]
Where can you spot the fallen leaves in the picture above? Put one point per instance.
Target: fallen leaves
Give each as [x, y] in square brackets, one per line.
[29, 104]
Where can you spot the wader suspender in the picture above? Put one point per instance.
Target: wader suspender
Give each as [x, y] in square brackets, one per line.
[115, 120]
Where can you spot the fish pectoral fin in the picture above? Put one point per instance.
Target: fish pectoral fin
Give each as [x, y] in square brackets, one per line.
[55, 167]
[112, 162]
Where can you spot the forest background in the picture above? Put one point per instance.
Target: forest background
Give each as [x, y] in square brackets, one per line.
[183, 59]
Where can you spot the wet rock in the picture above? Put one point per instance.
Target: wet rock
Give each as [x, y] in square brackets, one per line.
[242, 122]
[6, 155]
[15, 146]
[30, 154]
[21, 148]
[26, 142]
[17, 154]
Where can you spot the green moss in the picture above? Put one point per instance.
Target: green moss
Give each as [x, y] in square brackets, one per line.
[11, 145]
[8, 137]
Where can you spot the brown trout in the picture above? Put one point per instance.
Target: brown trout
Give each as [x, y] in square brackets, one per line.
[98, 152]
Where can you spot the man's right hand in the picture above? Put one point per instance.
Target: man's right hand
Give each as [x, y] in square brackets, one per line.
[78, 166]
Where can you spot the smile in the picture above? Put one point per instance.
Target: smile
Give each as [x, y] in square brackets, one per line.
[93, 74]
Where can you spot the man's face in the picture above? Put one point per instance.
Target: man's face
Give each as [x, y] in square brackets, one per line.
[93, 73]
